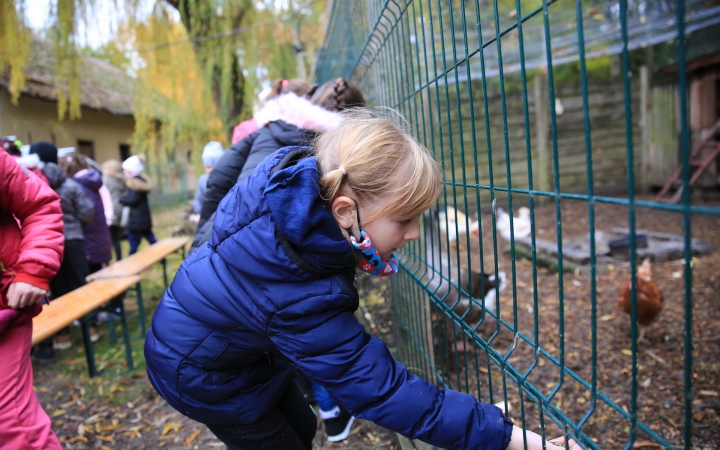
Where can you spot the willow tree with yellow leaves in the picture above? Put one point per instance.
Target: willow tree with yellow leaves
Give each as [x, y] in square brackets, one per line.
[199, 64]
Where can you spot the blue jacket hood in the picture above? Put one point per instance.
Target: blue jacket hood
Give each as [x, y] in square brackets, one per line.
[303, 217]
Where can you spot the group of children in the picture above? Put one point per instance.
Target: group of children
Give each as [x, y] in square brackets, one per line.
[56, 213]
[91, 204]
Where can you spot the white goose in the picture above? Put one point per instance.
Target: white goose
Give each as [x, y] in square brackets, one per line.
[521, 223]
[453, 223]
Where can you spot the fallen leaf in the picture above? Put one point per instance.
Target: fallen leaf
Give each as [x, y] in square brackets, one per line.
[606, 317]
[58, 412]
[174, 426]
[626, 351]
[105, 447]
[192, 437]
[709, 393]
[105, 438]
[93, 419]
[640, 444]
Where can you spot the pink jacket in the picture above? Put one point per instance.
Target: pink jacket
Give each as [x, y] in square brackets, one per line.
[245, 128]
[31, 230]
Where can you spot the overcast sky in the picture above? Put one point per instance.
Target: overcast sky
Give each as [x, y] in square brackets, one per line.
[102, 19]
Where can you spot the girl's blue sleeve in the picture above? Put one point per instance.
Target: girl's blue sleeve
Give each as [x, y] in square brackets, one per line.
[331, 348]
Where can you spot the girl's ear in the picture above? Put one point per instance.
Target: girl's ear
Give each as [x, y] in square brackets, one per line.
[343, 210]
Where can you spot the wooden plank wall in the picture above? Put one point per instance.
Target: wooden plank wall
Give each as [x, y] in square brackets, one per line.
[456, 149]
[662, 153]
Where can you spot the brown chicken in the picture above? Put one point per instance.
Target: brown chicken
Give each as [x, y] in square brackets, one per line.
[649, 298]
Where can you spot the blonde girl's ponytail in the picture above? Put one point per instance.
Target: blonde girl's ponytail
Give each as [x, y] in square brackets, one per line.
[332, 183]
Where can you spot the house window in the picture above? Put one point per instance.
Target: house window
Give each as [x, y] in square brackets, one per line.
[86, 148]
[124, 152]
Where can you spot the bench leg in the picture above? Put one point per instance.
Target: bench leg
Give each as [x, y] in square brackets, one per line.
[89, 353]
[164, 264]
[126, 337]
[141, 309]
[111, 328]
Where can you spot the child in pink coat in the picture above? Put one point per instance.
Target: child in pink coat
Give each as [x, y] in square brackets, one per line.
[31, 232]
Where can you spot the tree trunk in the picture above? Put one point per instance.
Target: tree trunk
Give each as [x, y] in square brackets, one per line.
[234, 101]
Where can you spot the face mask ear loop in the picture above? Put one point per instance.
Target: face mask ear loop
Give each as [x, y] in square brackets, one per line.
[357, 215]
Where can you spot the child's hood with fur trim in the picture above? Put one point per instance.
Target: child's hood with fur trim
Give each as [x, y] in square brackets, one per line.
[297, 111]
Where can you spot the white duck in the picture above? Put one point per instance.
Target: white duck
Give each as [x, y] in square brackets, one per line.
[453, 223]
[521, 223]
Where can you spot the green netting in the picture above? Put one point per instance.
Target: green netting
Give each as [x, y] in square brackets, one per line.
[530, 103]
[170, 183]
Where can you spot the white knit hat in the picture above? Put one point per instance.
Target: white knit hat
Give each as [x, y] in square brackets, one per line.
[211, 153]
[134, 165]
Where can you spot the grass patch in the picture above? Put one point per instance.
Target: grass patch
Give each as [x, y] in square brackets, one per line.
[115, 380]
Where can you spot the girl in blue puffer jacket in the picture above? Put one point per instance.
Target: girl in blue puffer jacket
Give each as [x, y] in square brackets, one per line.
[274, 290]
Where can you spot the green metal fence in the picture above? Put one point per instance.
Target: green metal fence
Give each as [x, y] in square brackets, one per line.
[170, 183]
[539, 104]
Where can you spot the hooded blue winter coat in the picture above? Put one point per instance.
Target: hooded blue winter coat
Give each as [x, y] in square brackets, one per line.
[274, 289]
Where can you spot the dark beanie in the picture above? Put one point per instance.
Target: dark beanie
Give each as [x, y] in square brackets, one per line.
[46, 151]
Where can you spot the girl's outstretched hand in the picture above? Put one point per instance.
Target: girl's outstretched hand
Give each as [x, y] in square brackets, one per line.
[560, 443]
[535, 442]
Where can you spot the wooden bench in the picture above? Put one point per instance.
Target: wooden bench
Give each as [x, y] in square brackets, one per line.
[75, 305]
[138, 263]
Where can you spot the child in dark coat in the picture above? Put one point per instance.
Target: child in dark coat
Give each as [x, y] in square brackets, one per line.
[77, 212]
[274, 289]
[140, 222]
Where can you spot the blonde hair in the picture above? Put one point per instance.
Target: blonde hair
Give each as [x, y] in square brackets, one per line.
[378, 159]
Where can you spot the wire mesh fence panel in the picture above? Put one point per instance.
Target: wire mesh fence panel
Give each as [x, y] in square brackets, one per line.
[170, 183]
[170, 193]
[553, 121]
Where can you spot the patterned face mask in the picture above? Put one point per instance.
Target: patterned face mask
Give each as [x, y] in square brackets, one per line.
[371, 261]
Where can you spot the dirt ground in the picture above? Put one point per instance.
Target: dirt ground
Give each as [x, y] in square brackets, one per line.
[99, 414]
[661, 358]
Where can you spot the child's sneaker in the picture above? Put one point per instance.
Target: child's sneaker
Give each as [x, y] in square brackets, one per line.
[62, 342]
[43, 355]
[338, 428]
